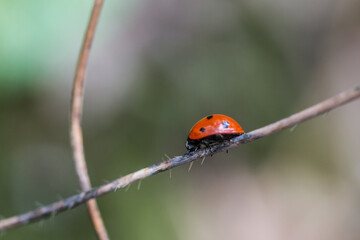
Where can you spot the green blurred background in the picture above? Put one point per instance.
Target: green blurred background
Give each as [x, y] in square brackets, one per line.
[157, 67]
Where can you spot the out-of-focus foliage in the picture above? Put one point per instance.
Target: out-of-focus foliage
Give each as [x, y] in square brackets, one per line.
[157, 67]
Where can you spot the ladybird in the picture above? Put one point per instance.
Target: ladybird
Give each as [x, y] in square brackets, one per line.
[212, 129]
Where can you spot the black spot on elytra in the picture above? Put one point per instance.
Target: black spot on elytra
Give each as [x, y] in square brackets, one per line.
[202, 129]
[209, 117]
[225, 124]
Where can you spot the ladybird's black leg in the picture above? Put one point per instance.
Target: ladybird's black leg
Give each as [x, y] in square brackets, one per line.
[211, 149]
[197, 147]
[227, 151]
[208, 145]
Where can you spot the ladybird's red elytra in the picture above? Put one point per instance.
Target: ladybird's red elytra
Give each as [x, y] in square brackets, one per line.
[212, 129]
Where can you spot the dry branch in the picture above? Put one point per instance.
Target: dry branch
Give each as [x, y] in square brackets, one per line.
[76, 200]
[76, 114]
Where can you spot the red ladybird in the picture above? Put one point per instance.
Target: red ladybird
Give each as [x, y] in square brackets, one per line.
[212, 129]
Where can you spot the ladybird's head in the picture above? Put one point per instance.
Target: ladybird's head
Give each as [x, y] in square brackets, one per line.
[191, 145]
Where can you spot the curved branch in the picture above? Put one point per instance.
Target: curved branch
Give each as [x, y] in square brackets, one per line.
[76, 114]
[76, 200]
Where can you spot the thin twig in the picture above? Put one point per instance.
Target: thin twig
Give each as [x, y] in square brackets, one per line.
[76, 115]
[122, 182]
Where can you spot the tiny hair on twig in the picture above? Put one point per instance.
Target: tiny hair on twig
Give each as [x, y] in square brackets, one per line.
[122, 182]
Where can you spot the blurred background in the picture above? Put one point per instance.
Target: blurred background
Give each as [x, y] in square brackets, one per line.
[156, 68]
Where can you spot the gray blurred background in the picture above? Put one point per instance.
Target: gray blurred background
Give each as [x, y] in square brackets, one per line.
[156, 68]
